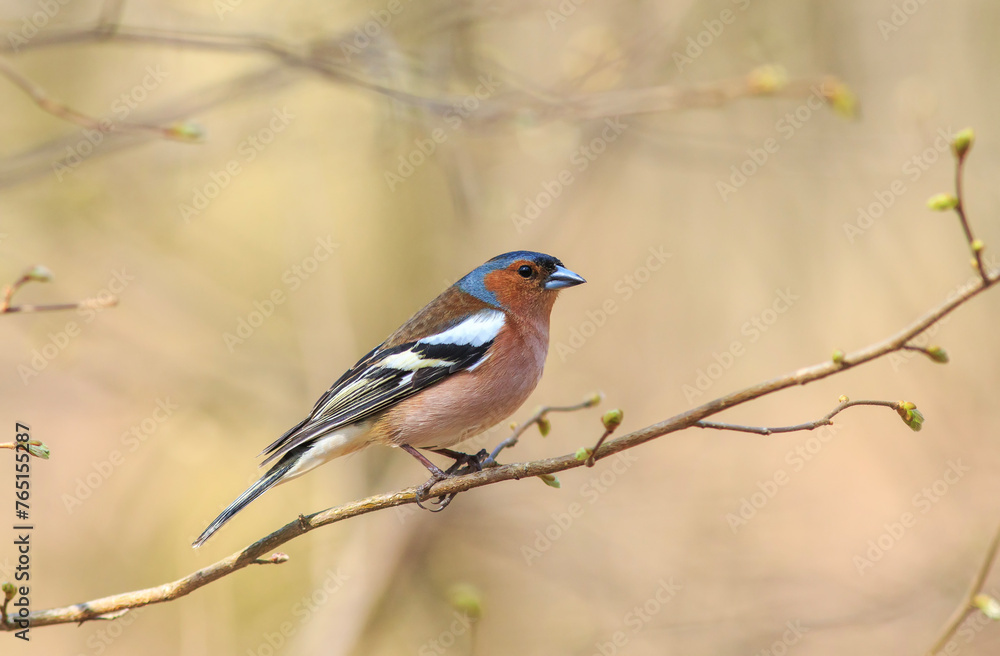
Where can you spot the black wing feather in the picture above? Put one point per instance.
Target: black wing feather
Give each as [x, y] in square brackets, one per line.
[378, 388]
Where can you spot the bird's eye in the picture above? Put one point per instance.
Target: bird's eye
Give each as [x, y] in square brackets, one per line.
[524, 271]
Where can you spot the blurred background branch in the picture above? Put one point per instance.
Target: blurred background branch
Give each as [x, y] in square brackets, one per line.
[39, 273]
[60, 110]
[327, 56]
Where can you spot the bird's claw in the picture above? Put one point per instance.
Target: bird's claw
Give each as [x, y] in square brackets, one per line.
[443, 500]
[465, 463]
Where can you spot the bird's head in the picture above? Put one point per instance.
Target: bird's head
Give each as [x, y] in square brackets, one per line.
[522, 281]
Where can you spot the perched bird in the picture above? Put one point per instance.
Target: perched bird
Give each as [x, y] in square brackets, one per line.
[460, 365]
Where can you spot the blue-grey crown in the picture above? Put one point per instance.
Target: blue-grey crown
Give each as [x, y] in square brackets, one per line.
[474, 282]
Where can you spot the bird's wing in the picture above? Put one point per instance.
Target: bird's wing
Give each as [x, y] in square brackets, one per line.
[389, 374]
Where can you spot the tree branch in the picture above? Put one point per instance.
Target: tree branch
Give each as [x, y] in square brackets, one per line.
[169, 591]
[973, 599]
[543, 424]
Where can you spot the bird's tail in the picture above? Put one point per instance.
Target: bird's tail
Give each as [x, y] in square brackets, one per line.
[266, 482]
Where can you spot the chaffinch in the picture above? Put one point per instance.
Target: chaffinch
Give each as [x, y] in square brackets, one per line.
[459, 366]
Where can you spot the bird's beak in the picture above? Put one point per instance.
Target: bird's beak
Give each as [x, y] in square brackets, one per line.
[563, 277]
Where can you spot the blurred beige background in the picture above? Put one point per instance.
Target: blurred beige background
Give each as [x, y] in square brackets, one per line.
[648, 563]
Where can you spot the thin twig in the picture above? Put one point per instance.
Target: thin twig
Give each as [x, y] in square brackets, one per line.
[60, 156]
[87, 303]
[825, 420]
[612, 419]
[66, 113]
[935, 353]
[538, 418]
[590, 458]
[967, 607]
[8, 292]
[977, 253]
[40, 273]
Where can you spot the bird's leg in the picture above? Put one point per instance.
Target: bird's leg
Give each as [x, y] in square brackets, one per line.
[434, 469]
[464, 464]
[436, 475]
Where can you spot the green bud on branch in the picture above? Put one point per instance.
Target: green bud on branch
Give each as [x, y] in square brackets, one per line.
[840, 97]
[274, 559]
[544, 426]
[937, 354]
[962, 142]
[550, 480]
[466, 598]
[910, 415]
[989, 606]
[767, 79]
[33, 447]
[582, 453]
[186, 132]
[38, 449]
[612, 419]
[38, 273]
[942, 202]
